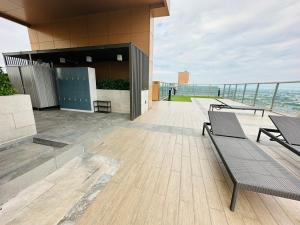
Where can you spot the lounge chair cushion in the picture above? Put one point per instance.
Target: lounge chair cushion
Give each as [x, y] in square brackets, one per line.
[225, 124]
[255, 170]
[289, 127]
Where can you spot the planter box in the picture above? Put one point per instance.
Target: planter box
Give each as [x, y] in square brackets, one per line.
[120, 99]
[16, 118]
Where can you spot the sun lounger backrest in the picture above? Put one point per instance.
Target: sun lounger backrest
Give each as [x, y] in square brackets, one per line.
[225, 124]
[289, 127]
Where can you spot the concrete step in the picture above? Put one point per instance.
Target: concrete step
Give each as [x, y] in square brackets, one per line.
[26, 163]
[63, 196]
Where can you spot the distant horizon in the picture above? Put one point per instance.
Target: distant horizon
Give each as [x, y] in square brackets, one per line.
[239, 83]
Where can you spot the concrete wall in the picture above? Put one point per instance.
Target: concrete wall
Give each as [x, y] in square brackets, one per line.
[16, 118]
[120, 99]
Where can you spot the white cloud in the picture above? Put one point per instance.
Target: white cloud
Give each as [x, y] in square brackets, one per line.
[13, 38]
[217, 41]
[229, 41]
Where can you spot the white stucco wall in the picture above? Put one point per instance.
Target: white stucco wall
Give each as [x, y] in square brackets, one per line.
[16, 118]
[120, 99]
[144, 101]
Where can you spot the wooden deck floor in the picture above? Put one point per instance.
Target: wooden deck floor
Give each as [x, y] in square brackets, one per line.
[172, 175]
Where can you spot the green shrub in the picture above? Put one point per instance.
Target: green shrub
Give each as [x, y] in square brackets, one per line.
[113, 84]
[5, 85]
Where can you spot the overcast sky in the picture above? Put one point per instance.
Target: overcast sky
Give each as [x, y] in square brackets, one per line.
[217, 41]
[13, 38]
[229, 41]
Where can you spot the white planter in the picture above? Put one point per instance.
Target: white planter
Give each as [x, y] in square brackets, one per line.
[16, 118]
[120, 99]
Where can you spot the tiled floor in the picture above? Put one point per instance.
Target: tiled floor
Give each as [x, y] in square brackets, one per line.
[170, 174]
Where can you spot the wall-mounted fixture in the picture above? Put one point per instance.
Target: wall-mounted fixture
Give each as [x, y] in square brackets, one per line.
[119, 58]
[89, 59]
[62, 60]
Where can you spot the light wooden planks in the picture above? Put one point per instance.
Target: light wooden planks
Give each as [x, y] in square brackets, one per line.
[176, 178]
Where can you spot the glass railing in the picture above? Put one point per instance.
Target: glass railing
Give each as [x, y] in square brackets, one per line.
[191, 89]
[282, 97]
[164, 89]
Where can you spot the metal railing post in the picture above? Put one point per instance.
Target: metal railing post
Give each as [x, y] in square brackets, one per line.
[244, 93]
[235, 92]
[274, 96]
[255, 96]
[228, 94]
[224, 90]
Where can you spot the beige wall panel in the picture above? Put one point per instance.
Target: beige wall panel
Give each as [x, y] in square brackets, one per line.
[155, 90]
[78, 27]
[79, 42]
[33, 36]
[141, 40]
[35, 46]
[18, 13]
[46, 45]
[112, 70]
[44, 33]
[119, 22]
[61, 31]
[62, 44]
[123, 26]
[140, 20]
[160, 12]
[183, 77]
[98, 40]
[8, 5]
[98, 24]
[119, 38]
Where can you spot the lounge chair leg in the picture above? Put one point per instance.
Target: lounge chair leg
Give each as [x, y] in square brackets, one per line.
[254, 111]
[258, 136]
[234, 197]
[203, 130]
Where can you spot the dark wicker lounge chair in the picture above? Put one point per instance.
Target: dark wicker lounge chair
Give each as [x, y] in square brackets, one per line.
[223, 105]
[286, 134]
[249, 167]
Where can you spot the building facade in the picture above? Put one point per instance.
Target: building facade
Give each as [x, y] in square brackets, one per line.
[183, 77]
[67, 24]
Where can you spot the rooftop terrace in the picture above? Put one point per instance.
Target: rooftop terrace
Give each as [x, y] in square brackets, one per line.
[168, 174]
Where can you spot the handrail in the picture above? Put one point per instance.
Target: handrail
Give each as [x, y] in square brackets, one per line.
[274, 98]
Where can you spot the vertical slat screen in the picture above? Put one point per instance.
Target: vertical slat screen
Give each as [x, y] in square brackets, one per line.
[139, 79]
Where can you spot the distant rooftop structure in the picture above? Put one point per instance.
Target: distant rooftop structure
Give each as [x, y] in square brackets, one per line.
[183, 77]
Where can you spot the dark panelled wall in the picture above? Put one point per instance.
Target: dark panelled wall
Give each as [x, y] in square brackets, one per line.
[139, 79]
